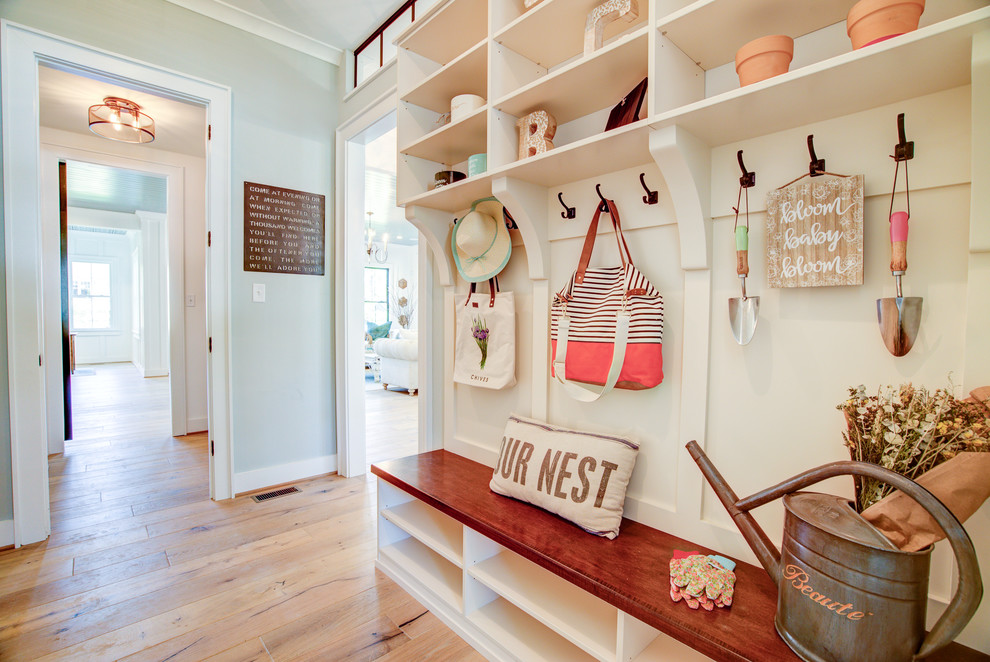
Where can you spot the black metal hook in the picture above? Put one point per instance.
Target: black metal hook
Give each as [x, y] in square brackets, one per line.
[748, 179]
[651, 197]
[817, 166]
[569, 212]
[604, 206]
[903, 150]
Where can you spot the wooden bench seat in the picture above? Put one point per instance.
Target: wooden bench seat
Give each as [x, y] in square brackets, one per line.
[629, 573]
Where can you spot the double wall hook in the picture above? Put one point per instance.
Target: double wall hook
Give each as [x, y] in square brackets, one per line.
[748, 179]
[651, 197]
[604, 205]
[817, 166]
[569, 212]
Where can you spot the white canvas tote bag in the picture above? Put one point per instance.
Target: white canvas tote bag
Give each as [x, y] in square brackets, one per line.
[485, 338]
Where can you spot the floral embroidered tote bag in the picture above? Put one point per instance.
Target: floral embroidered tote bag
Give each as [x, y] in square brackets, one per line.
[485, 338]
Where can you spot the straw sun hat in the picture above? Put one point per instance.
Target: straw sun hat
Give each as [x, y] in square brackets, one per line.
[480, 241]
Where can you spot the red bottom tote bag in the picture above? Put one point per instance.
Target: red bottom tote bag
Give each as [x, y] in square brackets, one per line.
[606, 324]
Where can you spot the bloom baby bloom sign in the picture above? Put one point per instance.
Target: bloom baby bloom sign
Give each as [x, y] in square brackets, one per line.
[815, 233]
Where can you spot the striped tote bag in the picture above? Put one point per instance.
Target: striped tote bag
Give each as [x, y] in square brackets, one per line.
[606, 324]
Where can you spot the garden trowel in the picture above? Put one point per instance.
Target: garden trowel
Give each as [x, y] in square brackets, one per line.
[743, 311]
[899, 316]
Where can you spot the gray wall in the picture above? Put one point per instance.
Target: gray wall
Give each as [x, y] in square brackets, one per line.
[6, 488]
[284, 111]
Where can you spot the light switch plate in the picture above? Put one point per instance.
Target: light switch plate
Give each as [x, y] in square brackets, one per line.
[190, 301]
[258, 293]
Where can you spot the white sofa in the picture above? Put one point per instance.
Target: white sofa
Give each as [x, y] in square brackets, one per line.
[399, 361]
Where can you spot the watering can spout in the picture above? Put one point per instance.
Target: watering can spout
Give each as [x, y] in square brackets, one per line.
[757, 539]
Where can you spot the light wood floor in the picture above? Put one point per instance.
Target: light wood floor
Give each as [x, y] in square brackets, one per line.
[141, 565]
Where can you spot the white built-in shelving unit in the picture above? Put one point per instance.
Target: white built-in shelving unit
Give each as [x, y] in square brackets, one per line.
[504, 605]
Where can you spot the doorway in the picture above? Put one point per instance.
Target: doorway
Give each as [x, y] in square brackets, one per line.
[28, 313]
[115, 293]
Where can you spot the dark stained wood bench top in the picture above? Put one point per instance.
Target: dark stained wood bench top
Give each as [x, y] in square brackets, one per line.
[630, 572]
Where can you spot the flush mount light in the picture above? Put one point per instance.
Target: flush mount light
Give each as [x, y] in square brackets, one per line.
[120, 119]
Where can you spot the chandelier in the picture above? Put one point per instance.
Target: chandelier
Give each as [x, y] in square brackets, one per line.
[379, 251]
[120, 119]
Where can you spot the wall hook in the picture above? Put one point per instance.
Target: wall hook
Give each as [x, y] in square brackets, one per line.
[569, 212]
[903, 150]
[748, 179]
[651, 197]
[817, 166]
[604, 206]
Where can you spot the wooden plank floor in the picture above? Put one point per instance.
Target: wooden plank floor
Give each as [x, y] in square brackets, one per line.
[142, 565]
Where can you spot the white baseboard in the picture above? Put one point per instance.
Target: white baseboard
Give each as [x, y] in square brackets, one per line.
[248, 481]
[197, 425]
[6, 532]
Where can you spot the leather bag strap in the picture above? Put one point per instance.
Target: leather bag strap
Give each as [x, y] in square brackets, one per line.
[589, 241]
[492, 287]
[583, 392]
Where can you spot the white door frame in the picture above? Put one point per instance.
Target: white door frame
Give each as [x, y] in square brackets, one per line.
[175, 261]
[23, 49]
[349, 301]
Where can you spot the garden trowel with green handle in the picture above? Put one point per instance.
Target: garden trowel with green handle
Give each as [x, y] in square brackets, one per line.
[743, 310]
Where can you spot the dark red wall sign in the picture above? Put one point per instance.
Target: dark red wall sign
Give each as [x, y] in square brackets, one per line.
[283, 230]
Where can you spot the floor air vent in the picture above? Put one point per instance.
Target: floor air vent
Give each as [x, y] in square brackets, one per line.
[276, 493]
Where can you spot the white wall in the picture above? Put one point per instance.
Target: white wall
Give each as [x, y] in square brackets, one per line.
[771, 404]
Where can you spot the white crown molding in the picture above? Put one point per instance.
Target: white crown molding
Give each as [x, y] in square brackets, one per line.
[262, 27]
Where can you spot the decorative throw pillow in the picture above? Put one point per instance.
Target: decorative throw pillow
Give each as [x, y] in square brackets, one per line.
[379, 331]
[581, 476]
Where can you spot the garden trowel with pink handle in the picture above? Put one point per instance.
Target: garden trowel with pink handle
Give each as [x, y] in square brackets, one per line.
[899, 316]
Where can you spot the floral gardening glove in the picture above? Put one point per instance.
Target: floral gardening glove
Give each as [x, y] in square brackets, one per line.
[705, 581]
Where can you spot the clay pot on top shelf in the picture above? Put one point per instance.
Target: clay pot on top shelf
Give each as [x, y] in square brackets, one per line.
[871, 21]
[764, 58]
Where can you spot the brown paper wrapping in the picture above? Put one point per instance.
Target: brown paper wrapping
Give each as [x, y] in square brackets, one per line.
[961, 483]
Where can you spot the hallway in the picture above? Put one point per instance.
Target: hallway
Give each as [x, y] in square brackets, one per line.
[142, 565]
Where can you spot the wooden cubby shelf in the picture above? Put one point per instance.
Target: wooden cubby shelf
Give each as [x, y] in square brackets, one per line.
[552, 32]
[928, 60]
[434, 529]
[525, 637]
[459, 76]
[587, 621]
[447, 30]
[453, 142]
[437, 574]
[616, 69]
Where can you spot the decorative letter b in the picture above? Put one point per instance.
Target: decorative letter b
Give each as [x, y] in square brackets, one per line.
[535, 133]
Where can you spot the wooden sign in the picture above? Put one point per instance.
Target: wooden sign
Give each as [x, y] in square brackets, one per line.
[815, 233]
[283, 230]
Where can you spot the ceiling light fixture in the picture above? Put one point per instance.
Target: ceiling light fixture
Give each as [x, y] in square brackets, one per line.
[120, 119]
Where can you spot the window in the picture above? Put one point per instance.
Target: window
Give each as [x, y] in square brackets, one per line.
[376, 295]
[90, 283]
[378, 49]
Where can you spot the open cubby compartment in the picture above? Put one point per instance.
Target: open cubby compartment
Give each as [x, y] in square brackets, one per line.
[576, 88]
[574, 614]
[450, 143]
[668, 649]
[696, 66]
[447, 30]
[432, 85]
[437, 531]
[552, 31]
[931, 59]
[410, 558]
[416, 176]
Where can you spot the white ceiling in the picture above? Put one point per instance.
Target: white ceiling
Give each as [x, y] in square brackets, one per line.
[65, 99]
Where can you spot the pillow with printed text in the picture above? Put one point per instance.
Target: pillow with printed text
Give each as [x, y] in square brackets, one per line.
[581, 476]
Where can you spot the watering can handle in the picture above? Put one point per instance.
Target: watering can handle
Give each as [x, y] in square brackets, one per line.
[969, 589]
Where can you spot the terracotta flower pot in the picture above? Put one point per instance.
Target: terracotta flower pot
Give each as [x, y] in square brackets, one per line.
[764, 57]
[870, 21]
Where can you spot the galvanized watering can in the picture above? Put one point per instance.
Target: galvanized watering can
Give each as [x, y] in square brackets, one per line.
[845, 593]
